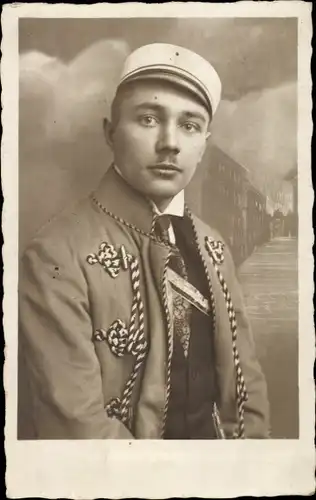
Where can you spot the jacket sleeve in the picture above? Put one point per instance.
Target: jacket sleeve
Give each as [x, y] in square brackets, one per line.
[257, 414]
[56, 336]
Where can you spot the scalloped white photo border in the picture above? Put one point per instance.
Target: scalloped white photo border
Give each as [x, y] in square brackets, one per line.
[146, 468]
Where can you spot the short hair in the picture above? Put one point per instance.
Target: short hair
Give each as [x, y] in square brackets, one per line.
[124, 90]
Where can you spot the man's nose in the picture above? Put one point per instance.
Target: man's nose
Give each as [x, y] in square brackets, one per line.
[168, 139]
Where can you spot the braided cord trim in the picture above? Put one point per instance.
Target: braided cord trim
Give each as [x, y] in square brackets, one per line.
[169, 341]
[216, 416]
[138, 341]
[150, 235]
[153, 226]
[241, 391]
[123, 340]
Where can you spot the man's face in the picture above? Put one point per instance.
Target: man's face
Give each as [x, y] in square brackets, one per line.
[158, 138]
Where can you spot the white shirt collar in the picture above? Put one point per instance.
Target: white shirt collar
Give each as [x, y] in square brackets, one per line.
[175, 207]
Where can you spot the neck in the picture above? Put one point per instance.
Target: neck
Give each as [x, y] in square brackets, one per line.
[161, 204]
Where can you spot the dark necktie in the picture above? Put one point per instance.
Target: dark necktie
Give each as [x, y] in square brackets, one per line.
[181, 307]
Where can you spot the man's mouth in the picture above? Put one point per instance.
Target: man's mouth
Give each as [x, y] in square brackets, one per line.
[165, 167]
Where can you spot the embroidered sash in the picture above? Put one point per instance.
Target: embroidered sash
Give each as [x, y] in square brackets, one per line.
[188, 291]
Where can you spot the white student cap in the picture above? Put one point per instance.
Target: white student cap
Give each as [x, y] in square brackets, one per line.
[178, 65]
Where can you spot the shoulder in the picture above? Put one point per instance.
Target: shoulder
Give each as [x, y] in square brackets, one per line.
[69, 233]
[205, 229]
[208, 232]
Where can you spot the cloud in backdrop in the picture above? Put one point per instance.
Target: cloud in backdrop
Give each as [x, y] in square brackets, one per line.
[62, 152]
[249, 53]
[63, 101]
[260, 132]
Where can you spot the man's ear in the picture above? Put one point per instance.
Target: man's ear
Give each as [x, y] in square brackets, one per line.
[208, 134]
[207, 137]
[108, 132]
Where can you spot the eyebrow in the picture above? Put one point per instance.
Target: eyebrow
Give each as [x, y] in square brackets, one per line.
[195, 114]
[157, 107]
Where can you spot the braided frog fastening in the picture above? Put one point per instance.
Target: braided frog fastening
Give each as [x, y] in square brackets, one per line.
[113, 408]
[121, 338]
[109, 258]
[116, 335]
[215, 249]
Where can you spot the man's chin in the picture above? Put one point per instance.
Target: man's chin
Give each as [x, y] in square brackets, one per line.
[164, 189]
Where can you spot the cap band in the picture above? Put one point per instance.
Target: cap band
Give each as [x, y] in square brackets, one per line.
[186, 82]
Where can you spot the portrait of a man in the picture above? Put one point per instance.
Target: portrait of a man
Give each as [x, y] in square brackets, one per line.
[133, 320]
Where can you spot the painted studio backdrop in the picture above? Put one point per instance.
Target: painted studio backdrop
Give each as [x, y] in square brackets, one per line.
[246, 186]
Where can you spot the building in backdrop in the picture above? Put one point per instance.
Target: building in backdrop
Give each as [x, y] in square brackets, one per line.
[257, 218]
[291, 226]
[233, 205]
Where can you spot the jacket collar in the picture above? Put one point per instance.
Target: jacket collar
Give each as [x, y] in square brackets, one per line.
[119, 198]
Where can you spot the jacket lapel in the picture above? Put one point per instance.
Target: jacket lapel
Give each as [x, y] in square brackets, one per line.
[222, 336]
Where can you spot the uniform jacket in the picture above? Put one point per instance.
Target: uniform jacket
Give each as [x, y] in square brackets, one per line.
[96, 324]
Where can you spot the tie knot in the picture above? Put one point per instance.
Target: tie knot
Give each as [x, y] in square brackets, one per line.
[162, 226]
[164, 221]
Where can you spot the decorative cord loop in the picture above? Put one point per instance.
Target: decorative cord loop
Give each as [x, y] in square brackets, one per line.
[116, 336]
[122, 339]
[169, 343]
[113, 408]
[215, 250]
[108, 259]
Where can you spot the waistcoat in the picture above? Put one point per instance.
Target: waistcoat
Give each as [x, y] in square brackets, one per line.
[192, 377]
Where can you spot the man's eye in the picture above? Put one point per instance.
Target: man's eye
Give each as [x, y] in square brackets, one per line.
[191, 127]
[148, 120]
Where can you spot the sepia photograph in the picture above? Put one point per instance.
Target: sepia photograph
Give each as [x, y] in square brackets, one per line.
[158, 228]
[117, 340]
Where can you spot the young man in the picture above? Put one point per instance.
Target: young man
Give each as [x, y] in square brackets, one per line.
[132, 320]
